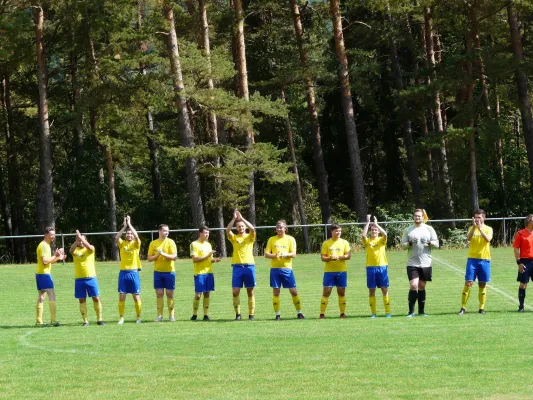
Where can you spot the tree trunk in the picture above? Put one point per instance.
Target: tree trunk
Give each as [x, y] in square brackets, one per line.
[470, 39]
[297, 180]
[186, 134]
[14, 195]
[45, 192]
[440, 154]
[358, 183]
[522, 86]
[316, 139]
[112, 199]
[150, 137]
[406, 122]
[5, 211]
[212, 124]
[242, 69]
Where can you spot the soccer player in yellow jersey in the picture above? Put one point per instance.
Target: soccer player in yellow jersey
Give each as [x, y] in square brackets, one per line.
[478, 261]
[130, 264]
[163, 252]
[243, 263]
[85, 281]
[43, 277]
[335, 252]
[376, 265]
[204, 281]
[281, 249]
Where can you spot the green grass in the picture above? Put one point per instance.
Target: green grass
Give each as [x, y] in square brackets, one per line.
[443, 356]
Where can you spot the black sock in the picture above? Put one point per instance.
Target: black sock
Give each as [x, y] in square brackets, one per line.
[421, 301]
[413, 295]
[521, 296]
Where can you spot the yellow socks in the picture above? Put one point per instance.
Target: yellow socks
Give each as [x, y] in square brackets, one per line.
[138, 308]
[342, 304]
[251, 305]
[237, 304]
[297, 303]
[386, 303]
[39, 312]
[121, 308]
[372, 302]
[323, 304]
[275, 303]
[206, 305]
[97, 309]
[170, 305]
[52, 307]
[482, 296]
[83, 311]
[464, 296]
[195, 306]
[160, 302]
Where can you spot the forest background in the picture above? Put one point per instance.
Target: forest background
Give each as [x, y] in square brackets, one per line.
[177, 112]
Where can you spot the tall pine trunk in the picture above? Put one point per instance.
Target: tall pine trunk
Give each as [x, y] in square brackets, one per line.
[112, 199]
[150, 133]
[186, 134]
[45, 187]
[522, 87]
[316, 139]
[240, 50]
[14, 192]
[298, 185]
[439, 155]
[212, 124]
[356, 169]
[405, 121]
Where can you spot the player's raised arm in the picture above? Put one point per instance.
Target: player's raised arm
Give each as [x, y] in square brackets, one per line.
[132, 229]
[231, 223]
[83, 239]
[380, 229]
[364, 235]
[119, 233]
[247, 223]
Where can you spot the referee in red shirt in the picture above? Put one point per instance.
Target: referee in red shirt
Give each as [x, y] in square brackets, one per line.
[523, 253]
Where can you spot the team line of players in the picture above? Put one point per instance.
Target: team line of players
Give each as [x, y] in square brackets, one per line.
[419, 239]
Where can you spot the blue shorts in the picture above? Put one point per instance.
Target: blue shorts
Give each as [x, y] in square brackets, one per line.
[523, 277]
[164, 280]
[476, 267]
[282, 276]
[86, 287]
[129, 282]
[204, 283]
[377, 277]
[243, 275]
[44, 281]
[339, 279]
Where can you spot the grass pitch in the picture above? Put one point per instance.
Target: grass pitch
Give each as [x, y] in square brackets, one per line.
[443, 356]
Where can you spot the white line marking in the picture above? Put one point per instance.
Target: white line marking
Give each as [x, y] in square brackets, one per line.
[492, 287]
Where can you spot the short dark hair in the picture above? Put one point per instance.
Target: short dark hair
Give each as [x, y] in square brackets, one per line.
[203, 228]
[418, 210]
[334, 226]
[479, 212]
[239, 220]
[162, 226]
[48, 229]
[529, 218]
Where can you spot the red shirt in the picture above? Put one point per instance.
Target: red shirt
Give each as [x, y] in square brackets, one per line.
[524, 241]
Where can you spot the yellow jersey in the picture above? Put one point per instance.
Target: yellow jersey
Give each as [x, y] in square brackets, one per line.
[243, 248]
[337, 248]
[479, 247]
[199, 249]
[375, 251]
[83, 263]
[168, 246]
[285, 244]
[129, 254]
[43, 250]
